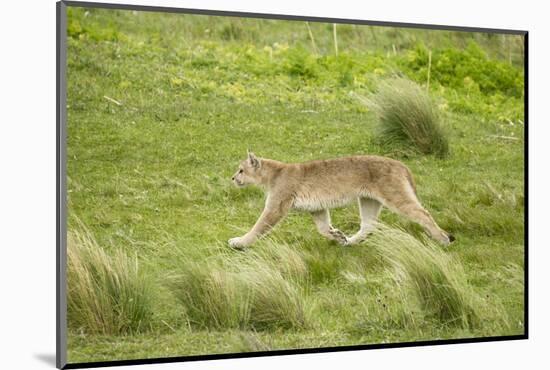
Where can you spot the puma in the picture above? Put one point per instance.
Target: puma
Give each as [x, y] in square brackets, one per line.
[317, 186]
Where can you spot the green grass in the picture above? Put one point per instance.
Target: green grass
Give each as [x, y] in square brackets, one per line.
[149, 179]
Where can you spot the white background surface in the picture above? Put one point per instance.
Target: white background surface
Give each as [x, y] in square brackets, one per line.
[27, 183]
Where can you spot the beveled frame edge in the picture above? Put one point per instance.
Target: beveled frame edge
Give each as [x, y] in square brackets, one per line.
[61, 184]
[288, 17]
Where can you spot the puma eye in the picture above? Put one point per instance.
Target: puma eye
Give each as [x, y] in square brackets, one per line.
[241, 170]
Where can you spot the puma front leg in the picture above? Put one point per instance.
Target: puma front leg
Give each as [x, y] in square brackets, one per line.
[322, 221]
[275, 209]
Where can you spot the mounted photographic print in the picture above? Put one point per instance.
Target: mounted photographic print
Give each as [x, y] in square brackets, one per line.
[234, 184]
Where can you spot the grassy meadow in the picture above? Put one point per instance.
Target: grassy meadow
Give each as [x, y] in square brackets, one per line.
[162, 107]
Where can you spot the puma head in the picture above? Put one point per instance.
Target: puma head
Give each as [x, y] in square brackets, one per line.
[249, 171]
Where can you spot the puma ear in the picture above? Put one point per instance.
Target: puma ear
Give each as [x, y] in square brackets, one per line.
[253, 160]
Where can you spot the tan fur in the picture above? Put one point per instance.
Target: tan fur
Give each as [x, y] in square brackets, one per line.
[317, 186]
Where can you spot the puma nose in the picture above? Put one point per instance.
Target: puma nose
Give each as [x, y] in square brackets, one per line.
[233, 178]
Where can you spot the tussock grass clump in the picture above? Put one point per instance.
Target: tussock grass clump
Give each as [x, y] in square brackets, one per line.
[211, 296]
[286, 259]
[275, 301]
[251, 290]
[408, 116]
[107, 294]
[425, 274]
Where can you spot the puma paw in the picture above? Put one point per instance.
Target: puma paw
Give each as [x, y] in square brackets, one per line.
[339, 236]
[237, 243]
[448, 239]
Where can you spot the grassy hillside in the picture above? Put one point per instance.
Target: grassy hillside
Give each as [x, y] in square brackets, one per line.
[161, 107]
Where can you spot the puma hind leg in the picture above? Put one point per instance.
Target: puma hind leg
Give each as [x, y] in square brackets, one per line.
[369, 209]
[408, 205]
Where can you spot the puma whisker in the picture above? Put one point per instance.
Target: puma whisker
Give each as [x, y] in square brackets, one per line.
[317, 186]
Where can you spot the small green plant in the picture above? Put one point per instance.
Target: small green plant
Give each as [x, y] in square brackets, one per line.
[231, 31]
[300, 63]
[107, 294]
[408, 116]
